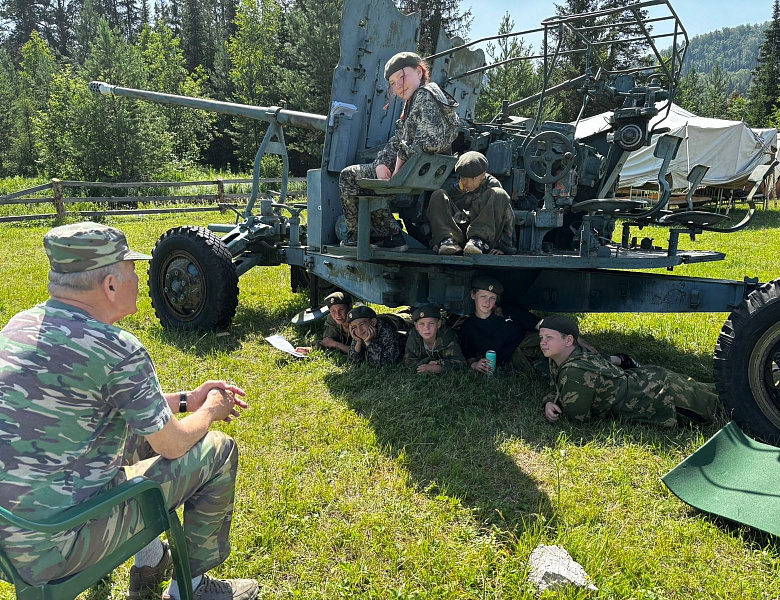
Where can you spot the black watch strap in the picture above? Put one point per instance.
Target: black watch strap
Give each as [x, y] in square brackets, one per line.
[182, 402]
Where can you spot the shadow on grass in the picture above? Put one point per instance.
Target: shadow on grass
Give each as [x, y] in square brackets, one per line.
[447, 432]
[249, 322]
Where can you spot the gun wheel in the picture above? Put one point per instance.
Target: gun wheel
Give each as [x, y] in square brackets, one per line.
[747, 363]
[192, 280]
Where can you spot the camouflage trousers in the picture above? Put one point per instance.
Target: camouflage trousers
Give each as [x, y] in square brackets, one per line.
[383, 223]
[489, 218]
[203, 481]
[528, 358]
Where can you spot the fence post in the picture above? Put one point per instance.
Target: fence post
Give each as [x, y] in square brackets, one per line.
[221, 195]
[59, 206]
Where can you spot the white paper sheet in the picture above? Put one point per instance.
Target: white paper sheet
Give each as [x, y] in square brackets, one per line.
[278, 341]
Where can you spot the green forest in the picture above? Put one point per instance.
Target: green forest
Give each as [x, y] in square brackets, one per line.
[265, 53]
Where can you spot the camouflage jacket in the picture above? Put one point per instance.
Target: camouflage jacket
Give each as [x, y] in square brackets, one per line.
[72, 388]
[446, 350]
[589, 387]
[336, 331]
[430, 124]
[385, 349]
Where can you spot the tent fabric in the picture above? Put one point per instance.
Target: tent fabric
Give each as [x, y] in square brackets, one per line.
[730, 148]
[732, 476]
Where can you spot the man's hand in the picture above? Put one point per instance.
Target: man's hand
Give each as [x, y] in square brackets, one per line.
[220, 402]
[303, 349]
[197, 397]
[552, 411]
[328, 342]
[370, 335]
[382, 172]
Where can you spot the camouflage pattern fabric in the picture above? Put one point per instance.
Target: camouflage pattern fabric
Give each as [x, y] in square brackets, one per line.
[430, 124]
[528, 357]
[335, 331]
[446, 350]
[77, 393]
[385, 349]
[485, 213]
[86, 246]
[589, 387]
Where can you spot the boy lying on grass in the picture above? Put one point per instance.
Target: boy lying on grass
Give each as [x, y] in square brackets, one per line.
[336, 335]
[375, 340]
[589, 387]
[431, 347]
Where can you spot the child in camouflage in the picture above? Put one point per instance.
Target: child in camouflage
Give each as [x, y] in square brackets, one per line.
[431, 347]
[377, 340]
[588, 386]
[336, 334]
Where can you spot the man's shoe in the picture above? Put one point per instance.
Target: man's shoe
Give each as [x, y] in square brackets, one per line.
[145, 582]
[626, 362]
[448, 247]
[225, 589]
[476, 246]
[391, 243]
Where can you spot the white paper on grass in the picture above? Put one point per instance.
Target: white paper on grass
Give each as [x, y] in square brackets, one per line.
[278, 342]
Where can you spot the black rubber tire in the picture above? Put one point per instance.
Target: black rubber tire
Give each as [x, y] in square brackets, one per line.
[747, 363]
[192, 280]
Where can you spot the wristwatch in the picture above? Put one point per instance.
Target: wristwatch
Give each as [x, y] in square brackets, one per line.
[182, 402]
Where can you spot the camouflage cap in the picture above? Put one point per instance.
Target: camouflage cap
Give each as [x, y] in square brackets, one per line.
[338, 298]
[561, 324]
[471, 164]
[426, 311]
[360, 312]
[401, 60]
[87, 246]
[488, 284]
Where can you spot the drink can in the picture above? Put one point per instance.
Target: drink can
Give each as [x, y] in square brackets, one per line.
[490, 355]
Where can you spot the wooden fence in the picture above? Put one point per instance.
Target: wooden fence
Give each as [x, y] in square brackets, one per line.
[220, 200]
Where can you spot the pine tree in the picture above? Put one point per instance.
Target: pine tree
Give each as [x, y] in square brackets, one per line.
[8, 92]
[764, 90]
[437, 16]
[512, 81]
[689, 92]
[715, 93]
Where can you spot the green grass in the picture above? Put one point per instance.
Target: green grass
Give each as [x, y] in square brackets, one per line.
[358, 483]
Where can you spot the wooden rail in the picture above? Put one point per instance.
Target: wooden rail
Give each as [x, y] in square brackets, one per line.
[221, 200]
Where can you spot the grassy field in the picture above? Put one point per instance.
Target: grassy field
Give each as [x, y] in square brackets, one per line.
[357, 483]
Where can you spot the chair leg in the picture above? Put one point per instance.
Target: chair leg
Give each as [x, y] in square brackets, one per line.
[181, 563]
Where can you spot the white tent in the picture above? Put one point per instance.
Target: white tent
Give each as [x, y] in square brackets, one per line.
[730, 148]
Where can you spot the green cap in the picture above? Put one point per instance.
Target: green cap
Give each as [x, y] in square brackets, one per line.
[87, 246]
[561, 324]
[360, 312]
[488, 284]
[471, 164]
[426, 311]
[338, 298]
[401, 60]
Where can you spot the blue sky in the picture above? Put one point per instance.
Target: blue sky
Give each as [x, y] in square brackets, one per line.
[697, 16]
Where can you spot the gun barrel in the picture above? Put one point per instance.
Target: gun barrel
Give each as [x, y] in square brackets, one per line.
[277, 114]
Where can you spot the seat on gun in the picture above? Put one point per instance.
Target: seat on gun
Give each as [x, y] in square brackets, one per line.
[422, 172]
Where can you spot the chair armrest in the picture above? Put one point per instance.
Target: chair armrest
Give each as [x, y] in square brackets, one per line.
[140, 489]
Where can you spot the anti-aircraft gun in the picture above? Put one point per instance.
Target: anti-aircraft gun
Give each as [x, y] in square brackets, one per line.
[562, 185]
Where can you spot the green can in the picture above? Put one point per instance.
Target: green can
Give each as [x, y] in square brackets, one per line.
[490, 356]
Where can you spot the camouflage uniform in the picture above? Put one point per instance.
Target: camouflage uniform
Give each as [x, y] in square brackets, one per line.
[430, 124]
[446, 350]
[335, 331]
[589, 387]
[77, 395]
[385, 349]
[485, 213]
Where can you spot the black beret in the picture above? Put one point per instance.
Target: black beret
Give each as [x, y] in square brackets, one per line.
[488, 284]
[426, 311]
[360, 312]
[471, 164]
[401, 60]
[561, 324]
[338, 298]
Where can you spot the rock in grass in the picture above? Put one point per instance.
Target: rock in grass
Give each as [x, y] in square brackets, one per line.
[552, 568]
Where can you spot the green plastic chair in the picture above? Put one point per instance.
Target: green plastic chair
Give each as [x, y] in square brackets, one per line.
[156, 518]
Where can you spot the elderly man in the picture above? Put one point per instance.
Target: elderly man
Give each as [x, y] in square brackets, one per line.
[83, 411]
[589, 387]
